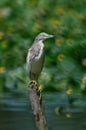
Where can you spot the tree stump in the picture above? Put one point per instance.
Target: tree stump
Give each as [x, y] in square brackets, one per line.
[36, 103]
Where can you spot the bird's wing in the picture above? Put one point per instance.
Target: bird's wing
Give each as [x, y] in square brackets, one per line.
[34, 52]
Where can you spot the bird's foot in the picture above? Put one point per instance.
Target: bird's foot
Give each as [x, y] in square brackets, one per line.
[33, 82]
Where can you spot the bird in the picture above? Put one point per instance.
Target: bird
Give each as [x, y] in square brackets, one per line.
[36, 56]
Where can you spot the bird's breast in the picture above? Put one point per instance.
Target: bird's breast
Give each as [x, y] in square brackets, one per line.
[37, 64]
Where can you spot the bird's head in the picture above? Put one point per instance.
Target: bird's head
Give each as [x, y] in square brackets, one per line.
[42, 36]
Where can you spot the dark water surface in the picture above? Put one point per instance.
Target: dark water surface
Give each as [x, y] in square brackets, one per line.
[16, 113]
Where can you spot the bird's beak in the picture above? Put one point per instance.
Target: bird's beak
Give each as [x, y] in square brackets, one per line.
[50, 36]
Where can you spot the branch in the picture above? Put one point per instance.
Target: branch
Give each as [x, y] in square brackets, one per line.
[36, 103]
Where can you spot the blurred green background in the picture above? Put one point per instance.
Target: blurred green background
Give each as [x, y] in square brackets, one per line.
[65, 65]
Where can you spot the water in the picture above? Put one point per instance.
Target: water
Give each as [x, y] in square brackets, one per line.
[16, 113]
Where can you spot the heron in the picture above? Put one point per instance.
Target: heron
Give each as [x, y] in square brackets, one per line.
[36, 56]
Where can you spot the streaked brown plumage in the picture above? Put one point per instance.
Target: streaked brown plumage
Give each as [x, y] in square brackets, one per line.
[36, 56]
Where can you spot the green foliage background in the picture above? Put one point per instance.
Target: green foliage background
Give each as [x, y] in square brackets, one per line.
[21, 21]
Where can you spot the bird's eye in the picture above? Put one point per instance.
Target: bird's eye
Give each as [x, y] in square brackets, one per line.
[44, 35]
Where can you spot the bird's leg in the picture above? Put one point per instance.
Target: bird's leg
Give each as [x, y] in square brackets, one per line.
[36, 86]
[33, 75]
[35, 82]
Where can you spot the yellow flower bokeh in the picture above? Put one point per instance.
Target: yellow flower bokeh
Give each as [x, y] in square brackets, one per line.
[58, 41]
[59, 10]
[69, 91]
[84, 80]
[32, 4]
[40, 88]
[10, 31]
[1, 35]
[60, 57]
[5, 43]
[81, 16]
[2, 70]
[36, 27]
[55, 22]
[69, 41]
[68, 115]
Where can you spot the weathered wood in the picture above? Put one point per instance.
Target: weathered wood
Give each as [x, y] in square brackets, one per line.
[36, 103]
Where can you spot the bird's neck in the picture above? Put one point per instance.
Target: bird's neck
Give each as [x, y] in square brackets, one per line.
[40, 42]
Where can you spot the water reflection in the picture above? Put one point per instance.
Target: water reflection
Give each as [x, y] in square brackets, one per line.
[16, 114]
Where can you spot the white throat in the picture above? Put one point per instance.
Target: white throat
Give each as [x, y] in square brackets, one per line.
[41, 43]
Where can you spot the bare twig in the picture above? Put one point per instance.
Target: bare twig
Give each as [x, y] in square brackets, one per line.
[36, 103]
